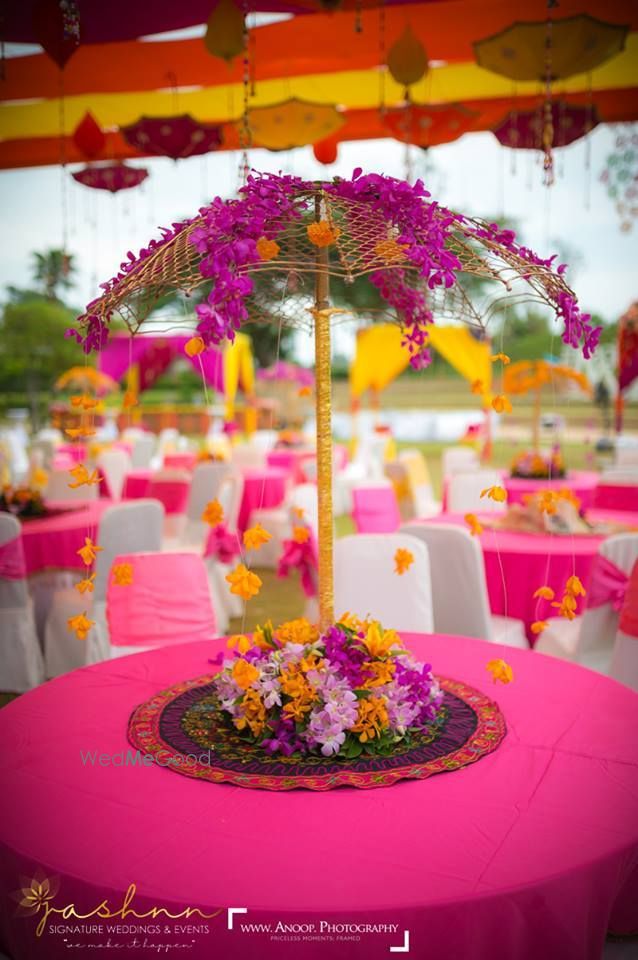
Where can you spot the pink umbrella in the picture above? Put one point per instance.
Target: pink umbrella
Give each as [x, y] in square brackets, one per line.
[283, 370]
[523, 130]
[113, 176]
[175, 137]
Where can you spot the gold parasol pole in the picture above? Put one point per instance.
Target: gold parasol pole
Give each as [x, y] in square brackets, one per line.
[323, 401]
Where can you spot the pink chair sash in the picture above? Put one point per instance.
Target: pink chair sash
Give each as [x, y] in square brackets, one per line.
[12, 562]
[608, 584]
[629, 613]
[375, 510]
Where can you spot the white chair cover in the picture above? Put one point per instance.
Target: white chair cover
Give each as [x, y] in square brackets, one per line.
[279, 521]
[58, 488]
[247, 456]
[425, 504]
[589, 639]
[143, 448]
[230, 493]
[464, 492]
[459, 588]
[114, 464]
[367, 586]
[133, 527]
[459, 460]
[21, 663]
[205, 486]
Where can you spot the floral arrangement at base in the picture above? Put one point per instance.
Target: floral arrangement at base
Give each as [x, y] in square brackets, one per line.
[23, 502]
[534, 466]
[350, 691]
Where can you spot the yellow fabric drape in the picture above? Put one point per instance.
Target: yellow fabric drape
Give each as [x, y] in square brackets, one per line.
[469, 357]
[239, 371]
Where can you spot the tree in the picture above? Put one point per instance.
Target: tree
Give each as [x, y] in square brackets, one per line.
[53, 269]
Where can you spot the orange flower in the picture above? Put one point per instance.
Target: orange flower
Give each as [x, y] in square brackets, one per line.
[39, 478]
[474, 524]
[499, 494]
[500, 671]
[322, 234]
[267, 249]
[239, 640]
[213, 513]
[304, 392]
[243, 582]
[244, 673]
[574, 587]
[546, 501]
[569, 496]
[372, 718]
[88, 552]
[297, 631]
[80, 625]
[255, 537]
[477, 387]
[122, 574]
[390, 251]
[566, 607]
[86, 585]
[403, 560]
[75, 432]
[194, 346]
[544, 593]
[84, 400]
[502, 404]
[300, 534]
[129, 400]
[82, 477]
[538, 626]
[500, 356]
[298, 512]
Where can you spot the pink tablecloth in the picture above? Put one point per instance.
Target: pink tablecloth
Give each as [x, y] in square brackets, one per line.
[262, 488]
[617, 496]
[517, 563]
[136, 484]
[180, 461]
[581, 482]
[173, 494]
[291, 460]
[51, 543]
[532, 852]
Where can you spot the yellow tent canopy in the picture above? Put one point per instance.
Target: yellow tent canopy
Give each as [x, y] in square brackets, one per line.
[239, 371]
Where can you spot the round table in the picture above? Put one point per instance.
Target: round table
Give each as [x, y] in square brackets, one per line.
[531, 852]
[263, 487]
[51, 543]
[517, 563]
[291, 459]
[582, 483]
[617, 496]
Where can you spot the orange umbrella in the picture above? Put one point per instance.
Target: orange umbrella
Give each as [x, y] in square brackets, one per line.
[529, 375]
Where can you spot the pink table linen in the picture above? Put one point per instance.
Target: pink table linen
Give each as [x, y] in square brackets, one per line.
[531, 852]
[51, 543]
[291, 460]
[262, 488]
[77, 452]
[180, 461]
[517, 563]
[173, 494]
[136, 484]
[617, 496]
[581, 482]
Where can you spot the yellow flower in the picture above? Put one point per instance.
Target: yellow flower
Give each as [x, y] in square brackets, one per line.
[538, 626]
[253, 715]
[213, 513]
[298, 512]
[194, 346]
[82, 586]
[244, 673]
[122, 574]
[499, 494]
[75, 432]
[322, 234]
[39, 478]
[262, 635]
[304, 392]
[353, 623]
[379, 642]
[403, 560]
[297, 631]
[84, 400]
[255, 537]
[474, 524]
[129, 400]
[500, 356]
[243, 582]
[88, 552]
[569, 496]
[574, 587]
[382, 672]
[372, 718]
[300, 534]
[544, 593]
[82, 477]
[81, 625]
[390, 251]
[267, 249]
[241, 641]
[500, 671]
[502, 404]
[566, 607]
[477, 387]
[546, 501]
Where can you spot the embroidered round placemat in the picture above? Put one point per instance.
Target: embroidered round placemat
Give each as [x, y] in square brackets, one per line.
[182, 729]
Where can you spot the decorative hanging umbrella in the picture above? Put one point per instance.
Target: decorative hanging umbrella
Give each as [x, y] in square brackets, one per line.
[415, 252]
[112, 176]
[225, 31]
[426, 126]
[176, 137]
[523, 130]
[529, 375]
[86, 378]
[407, 60]
[293, 123]
[56, 28]
[291, 372]
[620, 176]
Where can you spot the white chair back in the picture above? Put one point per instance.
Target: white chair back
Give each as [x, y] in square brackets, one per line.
[600, 624]
[13, 591]
[367, 586]
[21, 661]
[304, 497]
[205, 485]
[142, 450]
[626, 455]
[247, 456]
[114, 464]
[459, 588]
[264, 439]
[44, 451]
[464, 492]
[58, 488]
[231, 490]
[132, 527]
[459, 460]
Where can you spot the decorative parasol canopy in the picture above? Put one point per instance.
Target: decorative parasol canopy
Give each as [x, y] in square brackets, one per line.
[176, 137]
[523, 130]
[283, 370]
[293, 123]
[427, 126]
[112, 177]
[530, 375]
[86, 378]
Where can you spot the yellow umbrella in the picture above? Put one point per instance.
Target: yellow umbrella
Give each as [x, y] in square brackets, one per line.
[530, 375]
[86, 378]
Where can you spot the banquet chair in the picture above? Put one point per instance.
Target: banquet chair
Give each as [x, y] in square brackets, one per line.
[113, 465]
[229, 495]
[458, 460]
[205, 486]
[248, 456]
[589, 638]
[58, 489]
[167, 442]
[375, 508]
[425, 504]
[142, 450]
[279, 521]
[168, 601]
[21, 663]
[365, 582]
[459, 588]
[464, 492]
[124, 528]
[624, 661]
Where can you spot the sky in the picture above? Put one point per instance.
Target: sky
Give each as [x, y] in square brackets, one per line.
[42, 206]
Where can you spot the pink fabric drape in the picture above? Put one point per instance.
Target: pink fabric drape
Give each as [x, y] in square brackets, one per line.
[608, 583]
[12, 562]
[629, 613]
[617, 496]
[375, 510]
